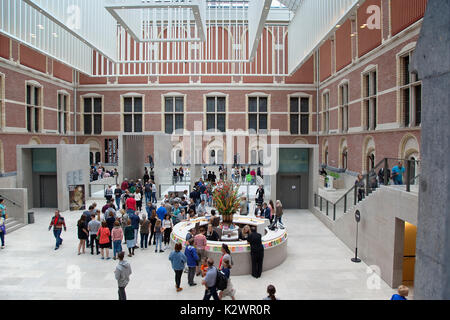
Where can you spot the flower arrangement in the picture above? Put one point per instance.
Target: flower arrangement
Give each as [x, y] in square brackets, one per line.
[227, 200]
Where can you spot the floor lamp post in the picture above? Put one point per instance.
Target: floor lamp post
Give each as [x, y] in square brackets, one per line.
[358, 219]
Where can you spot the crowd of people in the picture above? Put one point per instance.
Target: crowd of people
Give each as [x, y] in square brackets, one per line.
[123, 220]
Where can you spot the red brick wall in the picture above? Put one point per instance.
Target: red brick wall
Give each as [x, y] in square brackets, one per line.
[344, 45]
[406, 12]
[325, 60]
[62, 71]
[367, 39]
[4, 46]
[32, 59]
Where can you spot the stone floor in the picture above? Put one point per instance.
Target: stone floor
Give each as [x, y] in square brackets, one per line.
[318, 267]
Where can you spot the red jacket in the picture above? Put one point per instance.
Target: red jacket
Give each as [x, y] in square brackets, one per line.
[131, 204]
[124, 186]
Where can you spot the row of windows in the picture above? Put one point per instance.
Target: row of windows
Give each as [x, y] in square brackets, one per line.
[410, 100]
[215, 114]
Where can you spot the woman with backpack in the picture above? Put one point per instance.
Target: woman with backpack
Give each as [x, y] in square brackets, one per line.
[229, 291]
[226, 255]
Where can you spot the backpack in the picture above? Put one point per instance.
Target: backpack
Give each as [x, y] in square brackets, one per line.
[221, 280]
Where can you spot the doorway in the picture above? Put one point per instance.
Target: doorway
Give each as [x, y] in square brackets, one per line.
[409, 254]
[290, 191]
[48, 191]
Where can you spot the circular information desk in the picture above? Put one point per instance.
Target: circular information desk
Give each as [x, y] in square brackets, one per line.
[274, 242]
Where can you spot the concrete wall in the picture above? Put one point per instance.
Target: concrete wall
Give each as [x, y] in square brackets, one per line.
[381, 230]
[8, 181]
[20, 198]
[69, 159]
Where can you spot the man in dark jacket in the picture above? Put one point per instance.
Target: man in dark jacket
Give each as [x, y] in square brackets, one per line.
[256, 252]
[192, 260]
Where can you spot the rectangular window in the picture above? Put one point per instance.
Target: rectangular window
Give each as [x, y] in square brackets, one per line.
[132, 114]
[2, 83]
[410, 94]
[299, 115]
[63, 113]
[92, 115]
[326, 112]
[33, 99]
[257, 114]
[343, 107]
[215, 114]
[370, 100]
[174, 114]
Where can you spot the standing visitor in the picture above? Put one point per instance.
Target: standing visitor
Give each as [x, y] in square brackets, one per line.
[271, 206]
[3, 209]
[104, 240]
[360, 186]
[192, 260]
[210, 282]
[124, 185]
[200, 243]
[82, 234]
[260, 195]
[161, 212]
[135, 220]
[397, 173]
[148, 191]
[167, 227]
[138, 198]
[154, 190]
[122, 275]
[243, 205]
[130, 203]
[178, 260]
[2, 231]
[226, 255]
[58, 224]
[201, 210]
[229, 290]
[271, 293]
[158, 236]
[93, 227]
[256, 252]
[145, 230]
[109, 194]
[152, 227]
[129, 238]
[279, 212]
[116, 238]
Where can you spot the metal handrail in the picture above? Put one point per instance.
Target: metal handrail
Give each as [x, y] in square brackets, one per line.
[13, 202]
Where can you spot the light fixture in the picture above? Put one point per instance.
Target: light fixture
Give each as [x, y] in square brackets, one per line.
[40, 26]
[33, 35]
[338, 26]
[55, 34]
[363, 26]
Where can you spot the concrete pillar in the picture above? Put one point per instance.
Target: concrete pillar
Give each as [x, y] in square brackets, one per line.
[432, 61]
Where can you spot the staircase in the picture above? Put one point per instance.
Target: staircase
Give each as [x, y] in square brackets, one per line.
[12, 225]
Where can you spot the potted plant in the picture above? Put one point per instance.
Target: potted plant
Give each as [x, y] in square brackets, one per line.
[227, 199]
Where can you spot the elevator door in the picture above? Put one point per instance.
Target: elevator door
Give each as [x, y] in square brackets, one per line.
[48, 191]
[290, 192]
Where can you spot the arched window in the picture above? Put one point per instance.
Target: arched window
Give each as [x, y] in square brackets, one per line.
[253, 156]
[212, 157]
[371, 161]
[261, 157]
[219, 156]
[326, 156]
[345, 159]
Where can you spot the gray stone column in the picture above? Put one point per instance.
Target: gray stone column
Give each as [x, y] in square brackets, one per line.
[432, 61]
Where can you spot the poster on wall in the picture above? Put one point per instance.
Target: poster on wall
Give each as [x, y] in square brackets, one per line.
[77, 199]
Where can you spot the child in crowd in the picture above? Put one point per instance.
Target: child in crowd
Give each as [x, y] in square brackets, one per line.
[403, 292]
[204, 266]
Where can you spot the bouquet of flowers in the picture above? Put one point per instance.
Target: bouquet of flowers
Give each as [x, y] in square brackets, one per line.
[227, 199]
